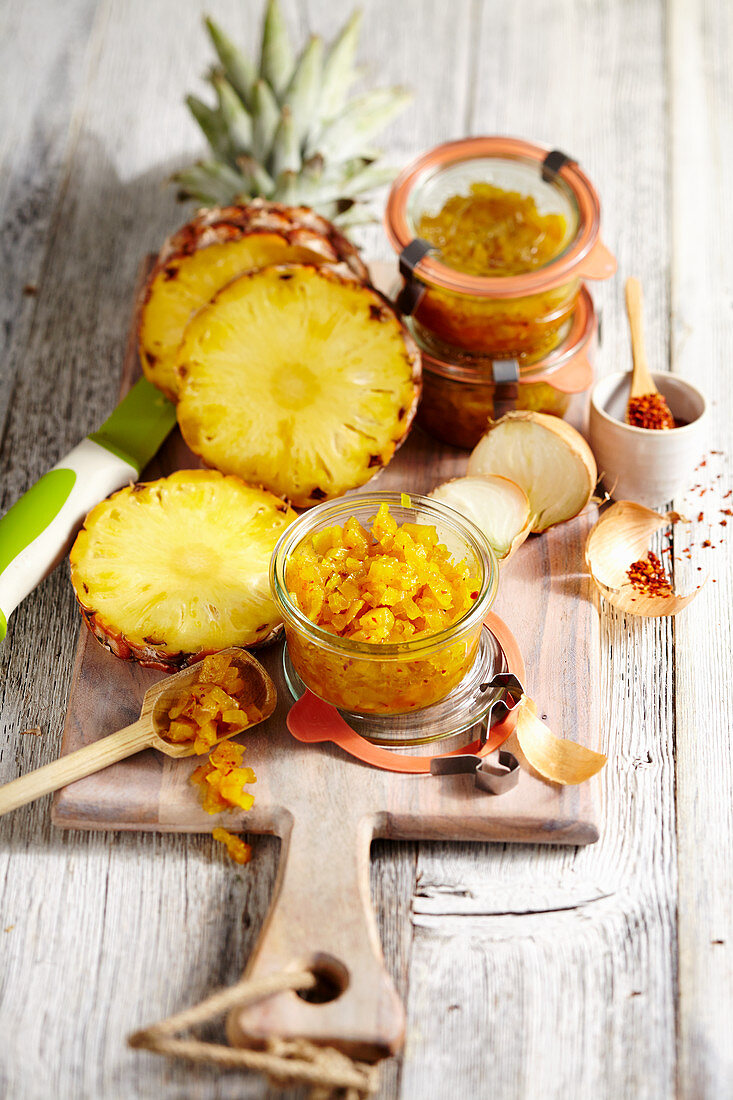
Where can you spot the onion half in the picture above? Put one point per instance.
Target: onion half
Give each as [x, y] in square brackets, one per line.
[498, 507]
[548, 458]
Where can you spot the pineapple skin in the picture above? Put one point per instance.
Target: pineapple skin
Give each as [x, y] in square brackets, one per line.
[288, 233]
[192, 419]
[216, 224]
[158, 655]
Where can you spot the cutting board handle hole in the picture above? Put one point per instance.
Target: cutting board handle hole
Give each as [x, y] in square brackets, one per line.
[332, 979]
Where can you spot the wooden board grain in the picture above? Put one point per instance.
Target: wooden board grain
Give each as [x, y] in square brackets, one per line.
[548, 603]
[328, 807]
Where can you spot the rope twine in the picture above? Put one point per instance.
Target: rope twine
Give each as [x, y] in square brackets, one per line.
[285, 1062]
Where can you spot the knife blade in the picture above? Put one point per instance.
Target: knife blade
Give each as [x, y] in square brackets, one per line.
[37, 531]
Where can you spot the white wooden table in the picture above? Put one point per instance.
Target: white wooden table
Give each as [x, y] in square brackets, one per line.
[527, 972]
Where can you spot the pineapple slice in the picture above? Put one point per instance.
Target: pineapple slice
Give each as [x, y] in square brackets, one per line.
[167, 571]
[298, 378]
[208, 252]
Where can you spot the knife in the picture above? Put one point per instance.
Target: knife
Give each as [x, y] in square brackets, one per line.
[37, 531]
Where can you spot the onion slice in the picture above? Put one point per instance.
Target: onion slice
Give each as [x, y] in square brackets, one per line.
[555, 758]
[498, 507]
[548, 458]
[620, 538]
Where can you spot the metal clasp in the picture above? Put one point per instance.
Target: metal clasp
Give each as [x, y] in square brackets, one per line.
[497, 772]
[553, 162]
[505, 374]
[413, 289]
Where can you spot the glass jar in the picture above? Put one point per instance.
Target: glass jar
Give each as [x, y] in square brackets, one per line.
[461, 392]
[366, 678]
[502, 316]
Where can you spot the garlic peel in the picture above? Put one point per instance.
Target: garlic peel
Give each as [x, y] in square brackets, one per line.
[620, 537]
[555, 758]
[544, 455]
[498, 507]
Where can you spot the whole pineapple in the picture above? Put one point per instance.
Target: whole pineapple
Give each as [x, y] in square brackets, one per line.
[285, 129]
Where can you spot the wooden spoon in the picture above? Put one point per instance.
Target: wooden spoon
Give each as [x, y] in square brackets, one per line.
[144, 734]
[642, 382]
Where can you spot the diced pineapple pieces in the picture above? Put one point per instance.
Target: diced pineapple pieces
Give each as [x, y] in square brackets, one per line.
[222, 779]
[212, 707]
[393, 585]
[237, 849]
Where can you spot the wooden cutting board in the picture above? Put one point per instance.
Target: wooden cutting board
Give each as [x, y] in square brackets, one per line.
[327, 807]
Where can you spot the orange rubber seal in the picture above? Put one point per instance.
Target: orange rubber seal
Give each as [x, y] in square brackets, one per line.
[585, 257]
[312, 721]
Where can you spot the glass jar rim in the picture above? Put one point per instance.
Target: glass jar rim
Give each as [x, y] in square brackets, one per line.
[477, 368]
[430, 270]
[465, 528]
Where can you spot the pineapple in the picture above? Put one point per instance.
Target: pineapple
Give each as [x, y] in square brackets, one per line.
[299, 378]
[285, 129]
[168, 571]
[213, 248]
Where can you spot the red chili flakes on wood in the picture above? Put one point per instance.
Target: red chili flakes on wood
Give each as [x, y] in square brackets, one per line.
[700, 517]
[649, 411]
[648, 576]
[706, 543]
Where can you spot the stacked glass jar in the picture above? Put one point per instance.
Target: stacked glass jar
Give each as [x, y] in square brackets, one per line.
[495, 237]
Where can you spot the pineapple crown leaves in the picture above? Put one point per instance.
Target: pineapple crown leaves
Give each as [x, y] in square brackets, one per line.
[285, 129]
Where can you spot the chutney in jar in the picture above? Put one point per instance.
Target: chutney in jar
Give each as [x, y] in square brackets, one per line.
[512, 231]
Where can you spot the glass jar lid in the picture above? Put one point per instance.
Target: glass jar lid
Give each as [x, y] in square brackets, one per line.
[425, 185]
[566, 367]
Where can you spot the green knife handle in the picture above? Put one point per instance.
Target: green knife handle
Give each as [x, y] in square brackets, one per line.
[38, 530]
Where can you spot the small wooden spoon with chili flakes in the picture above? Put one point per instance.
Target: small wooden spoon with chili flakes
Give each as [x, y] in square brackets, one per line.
[148, 732]
[647, 407]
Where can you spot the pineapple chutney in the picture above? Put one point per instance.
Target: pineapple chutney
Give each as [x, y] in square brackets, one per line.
[382, 616]
[494, 232]
[513, 230]
[400, 583]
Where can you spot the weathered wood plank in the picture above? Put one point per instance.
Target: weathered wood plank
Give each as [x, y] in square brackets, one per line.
[569, 1001]
[37, 133]
[596, 981]
[701, 115]
[110, 932]
[95, 922]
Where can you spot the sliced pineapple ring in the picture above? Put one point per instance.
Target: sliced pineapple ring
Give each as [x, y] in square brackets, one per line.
[298, 378]
[205, 254]
[172, 569]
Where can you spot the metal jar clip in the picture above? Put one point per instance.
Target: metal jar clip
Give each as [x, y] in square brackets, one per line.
[498, 772]
[413, 290]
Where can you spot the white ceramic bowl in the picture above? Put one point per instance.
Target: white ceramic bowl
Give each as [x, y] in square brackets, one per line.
[650, 467]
